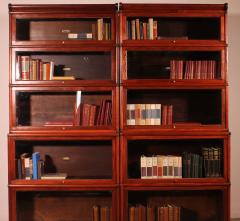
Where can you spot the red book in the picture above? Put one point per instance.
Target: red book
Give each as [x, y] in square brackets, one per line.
[164, 114]
[86, 114]
[92, 117]
[169, 114]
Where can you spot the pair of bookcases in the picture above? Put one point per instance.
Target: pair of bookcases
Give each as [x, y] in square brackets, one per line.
[118, 112]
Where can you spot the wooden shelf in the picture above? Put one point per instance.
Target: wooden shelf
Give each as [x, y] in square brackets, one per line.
[65, 43]
[174, 43]
[174, 84]
[174, 182]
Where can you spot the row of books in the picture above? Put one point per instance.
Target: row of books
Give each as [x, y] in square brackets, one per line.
[34, 69]
[200, 69]
[31, 167]
[161, 166]
[91, 115]
[149, 213]
[137, 29]
[101, 213]
[192, 165]
[212, 160]
[149, 114]
[100, 31]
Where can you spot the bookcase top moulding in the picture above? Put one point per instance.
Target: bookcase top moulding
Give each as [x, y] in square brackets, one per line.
[72, 8]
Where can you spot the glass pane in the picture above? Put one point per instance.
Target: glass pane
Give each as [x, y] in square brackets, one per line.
[63, 66]
[173, 28]
[199, 205]
[173, 65]
[181, 107]
[63, 29]
[63, 108]
[64, 159]
[192, 158]
[62, 205]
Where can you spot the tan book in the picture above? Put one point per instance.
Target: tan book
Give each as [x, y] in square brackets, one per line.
[137, 29]
[100, 29]
[143, 164]
[133, 28]
[150, 22]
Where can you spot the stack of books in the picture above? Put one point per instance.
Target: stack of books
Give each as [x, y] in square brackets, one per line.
[169, 213]
[161, 166]
[149, 114]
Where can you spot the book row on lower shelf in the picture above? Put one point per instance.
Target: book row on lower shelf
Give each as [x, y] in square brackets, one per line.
[149, 213]
[102, 213]
[149, 114]
[189, 165]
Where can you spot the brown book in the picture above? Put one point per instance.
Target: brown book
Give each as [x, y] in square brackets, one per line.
[160, 214]
[95, 214]
[176, 213]
[165, 213]
[103, 213]
[132, 213]
[133, 28]
[150, 214]
[170, 213]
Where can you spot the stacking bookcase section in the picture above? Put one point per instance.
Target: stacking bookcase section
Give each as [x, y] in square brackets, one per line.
[63, 160]
[175, 204]
[64, 25]
[174, 108]
[57, 204]
[160, 160]
[172, 24]
[63, 108]
[175, 152]
[87, 65]
[178, 64]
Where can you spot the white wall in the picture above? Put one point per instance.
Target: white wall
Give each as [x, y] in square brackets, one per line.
[234, 89]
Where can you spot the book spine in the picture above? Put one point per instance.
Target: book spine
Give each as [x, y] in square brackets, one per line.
[154, 167]
[143, 164]
[149, 168]
[35, 160]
